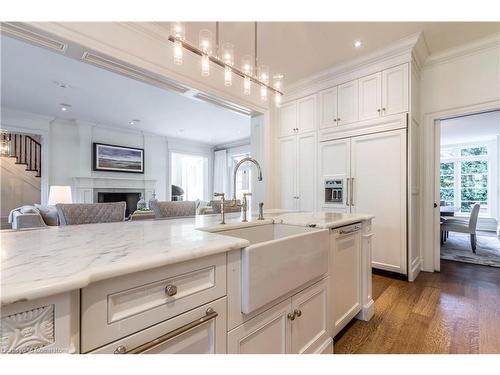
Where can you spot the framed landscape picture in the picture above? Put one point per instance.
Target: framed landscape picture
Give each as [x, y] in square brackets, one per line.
[112, 158]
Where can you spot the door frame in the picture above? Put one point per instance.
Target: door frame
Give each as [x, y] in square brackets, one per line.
[431, 248]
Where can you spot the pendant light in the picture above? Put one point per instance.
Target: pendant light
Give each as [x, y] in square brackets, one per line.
[224, 57]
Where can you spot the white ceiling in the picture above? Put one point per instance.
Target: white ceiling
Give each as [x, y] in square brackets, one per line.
[28, 74]
[474, 128]
[300, 49]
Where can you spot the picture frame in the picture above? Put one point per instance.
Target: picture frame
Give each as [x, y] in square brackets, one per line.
[115, 158]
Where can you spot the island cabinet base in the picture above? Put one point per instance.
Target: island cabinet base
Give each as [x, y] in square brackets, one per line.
[45, 325]
[298, 325]
[118, 307]
[198, 331]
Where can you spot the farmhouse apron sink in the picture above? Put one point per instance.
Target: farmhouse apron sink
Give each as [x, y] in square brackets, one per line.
[280, 258]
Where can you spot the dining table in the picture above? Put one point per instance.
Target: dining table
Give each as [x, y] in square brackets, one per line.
[448, 210]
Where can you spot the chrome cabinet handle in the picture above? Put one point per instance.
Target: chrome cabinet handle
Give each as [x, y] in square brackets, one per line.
[297, 312]
[210, 314]
[352, 191]
[347, 192]
[120, 350]
[291, 316]
[170, 290]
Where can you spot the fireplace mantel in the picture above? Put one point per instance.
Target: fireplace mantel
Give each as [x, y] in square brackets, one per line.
[83, 187]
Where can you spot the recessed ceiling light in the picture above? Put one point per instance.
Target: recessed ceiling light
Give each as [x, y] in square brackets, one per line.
[357, 43]
[65, 107]
[133, 122]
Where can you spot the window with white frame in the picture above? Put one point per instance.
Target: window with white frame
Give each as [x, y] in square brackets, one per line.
[190, 172]
[465, 177]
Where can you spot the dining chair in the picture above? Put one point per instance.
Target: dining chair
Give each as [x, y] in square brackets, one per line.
[464, 226]
[90, 213]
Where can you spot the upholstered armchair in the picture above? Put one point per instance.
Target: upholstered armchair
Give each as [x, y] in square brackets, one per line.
[464, 226]
[89, 213]
[173, 209]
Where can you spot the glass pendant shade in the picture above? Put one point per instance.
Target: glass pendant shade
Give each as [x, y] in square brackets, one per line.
[247, 86]
[278, 82]
[205, 65]
[264, 73]
[263, 93]
[228, 54]
[178, 31]
[247, 65]
[277, 99]
[205, 41]
[228, 76]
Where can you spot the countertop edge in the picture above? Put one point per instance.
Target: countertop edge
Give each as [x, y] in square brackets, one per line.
[83, 279]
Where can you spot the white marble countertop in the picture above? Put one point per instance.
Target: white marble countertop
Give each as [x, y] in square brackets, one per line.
[42, 262]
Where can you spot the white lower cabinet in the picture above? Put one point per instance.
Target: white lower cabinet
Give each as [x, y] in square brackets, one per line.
[310, 328]
[345, 266]
[297, 325]
[199, 331]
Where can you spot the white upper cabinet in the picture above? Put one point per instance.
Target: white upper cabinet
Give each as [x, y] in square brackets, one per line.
[306, 171]
[328, 107]
[395, 90]
[288, 119]
[288, 172]
[370, 96]
[306, 114]
[347, 103]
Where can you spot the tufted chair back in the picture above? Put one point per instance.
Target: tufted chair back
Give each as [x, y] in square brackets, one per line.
[89, 213]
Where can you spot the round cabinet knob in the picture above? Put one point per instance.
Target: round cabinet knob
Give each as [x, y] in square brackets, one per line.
[334, 120]
[378, 110]
[121, 350]
[383, 109]
[291, 316]
[170, 290]
[338, 119]
[297, 312]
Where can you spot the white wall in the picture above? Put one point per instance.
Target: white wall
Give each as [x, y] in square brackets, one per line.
[67, 150]
[463, 80]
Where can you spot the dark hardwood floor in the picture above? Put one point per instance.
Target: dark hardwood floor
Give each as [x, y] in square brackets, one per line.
[456, 310]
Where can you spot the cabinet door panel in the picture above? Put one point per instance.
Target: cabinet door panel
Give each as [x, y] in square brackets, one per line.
[345, 278]
[310, 330]
[328, 108]
[306, 171]
[206, 338]
[267, 333]
[334, 159]
[378, 166]
[370, 93]
[288, 170]
[288, 119]
[306, 114]
[395, 90]
[348, 102]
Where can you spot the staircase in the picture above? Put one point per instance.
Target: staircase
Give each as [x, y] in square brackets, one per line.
[26, 151]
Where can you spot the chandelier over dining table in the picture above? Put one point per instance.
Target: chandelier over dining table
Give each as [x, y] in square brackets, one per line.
[253, 73]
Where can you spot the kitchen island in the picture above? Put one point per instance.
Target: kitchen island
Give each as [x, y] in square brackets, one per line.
[115, 280]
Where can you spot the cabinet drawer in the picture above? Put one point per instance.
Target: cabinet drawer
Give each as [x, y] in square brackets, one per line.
[199, 331]
[114, 308]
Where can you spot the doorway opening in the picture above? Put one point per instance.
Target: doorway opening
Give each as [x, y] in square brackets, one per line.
[469, 204]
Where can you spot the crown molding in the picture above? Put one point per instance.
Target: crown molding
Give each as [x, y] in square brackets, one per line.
[401, 46]
[491, 41]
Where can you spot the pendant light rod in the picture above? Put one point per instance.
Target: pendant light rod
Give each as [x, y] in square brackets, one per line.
[217, 39]
[255, 44]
